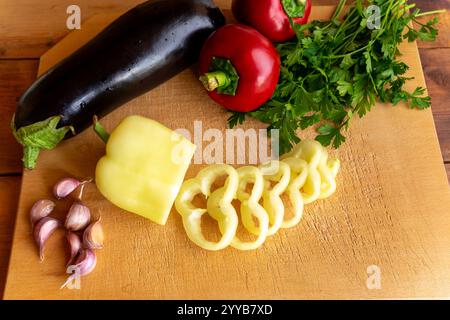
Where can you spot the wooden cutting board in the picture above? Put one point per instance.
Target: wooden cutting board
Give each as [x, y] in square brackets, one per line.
[391, 210]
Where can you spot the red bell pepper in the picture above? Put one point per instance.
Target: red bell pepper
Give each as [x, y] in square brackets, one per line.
[239, 67]
[271, 17]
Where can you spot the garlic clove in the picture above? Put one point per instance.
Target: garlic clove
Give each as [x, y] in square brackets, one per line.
[41, 209]
[74, 242]
[64, 187]
[93, 236]
[84, 265]
[78, 217]
[42, 231]
[86, 261]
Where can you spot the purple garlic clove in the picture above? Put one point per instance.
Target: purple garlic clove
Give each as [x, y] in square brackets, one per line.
[64, 187]
[78, 217]
[41, 209]
[42, 231]
[74, 242]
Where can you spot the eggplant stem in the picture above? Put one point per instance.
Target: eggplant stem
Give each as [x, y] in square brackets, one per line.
[39, 136]
[100, 131]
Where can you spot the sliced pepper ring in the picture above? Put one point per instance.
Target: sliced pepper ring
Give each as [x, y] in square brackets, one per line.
[250, 207]
[328, 170]
[299, 174]
[311, 152]
[279, 172]
[219, 205]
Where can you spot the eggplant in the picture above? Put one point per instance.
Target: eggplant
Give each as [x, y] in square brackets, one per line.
[145, 47]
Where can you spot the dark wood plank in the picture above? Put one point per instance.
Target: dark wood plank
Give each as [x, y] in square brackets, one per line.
[15, 77]
[29, 35]
[436, 65]
[447, 167]
[9, 196]
[29, 28]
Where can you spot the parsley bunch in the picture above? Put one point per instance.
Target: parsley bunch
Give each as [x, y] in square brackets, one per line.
[337, 69]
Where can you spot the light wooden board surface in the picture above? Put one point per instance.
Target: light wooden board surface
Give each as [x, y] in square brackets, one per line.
[390, 210]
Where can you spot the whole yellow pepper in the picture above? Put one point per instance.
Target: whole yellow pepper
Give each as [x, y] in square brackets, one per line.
[144, 167]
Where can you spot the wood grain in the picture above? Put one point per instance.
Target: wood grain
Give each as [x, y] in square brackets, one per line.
[28, 29]
[447, 168]
[390, 210]
[9, 195]
[15, 77]
[436, 66]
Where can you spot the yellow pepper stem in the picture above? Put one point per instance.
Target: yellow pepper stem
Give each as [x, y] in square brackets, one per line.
[100, 131]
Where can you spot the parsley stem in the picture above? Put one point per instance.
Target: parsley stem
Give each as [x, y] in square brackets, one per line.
[346, 25]
[346, 44]
[350, 53]
[430, 13]
[339, 9]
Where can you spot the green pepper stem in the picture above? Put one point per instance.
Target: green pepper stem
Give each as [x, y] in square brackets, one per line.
[100, 131]
[294, 8]
[216, 79]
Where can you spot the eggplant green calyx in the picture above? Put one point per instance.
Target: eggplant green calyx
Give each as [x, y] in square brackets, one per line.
[294, 8]
[100, 131]
[222, 76]
[38, 136]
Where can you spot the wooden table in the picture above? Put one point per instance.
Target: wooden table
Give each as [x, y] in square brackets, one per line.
[27, 30]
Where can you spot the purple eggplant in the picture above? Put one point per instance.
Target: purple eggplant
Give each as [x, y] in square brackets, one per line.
[145, 47]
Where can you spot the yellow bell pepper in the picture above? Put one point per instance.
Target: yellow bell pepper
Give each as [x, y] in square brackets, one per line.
[144, 167]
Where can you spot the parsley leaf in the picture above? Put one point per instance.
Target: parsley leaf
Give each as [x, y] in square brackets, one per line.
[333, 70]
[236, 118]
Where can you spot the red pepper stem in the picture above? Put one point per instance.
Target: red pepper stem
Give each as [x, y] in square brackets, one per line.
[214, 80]
[100, 131]
[293, 7]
